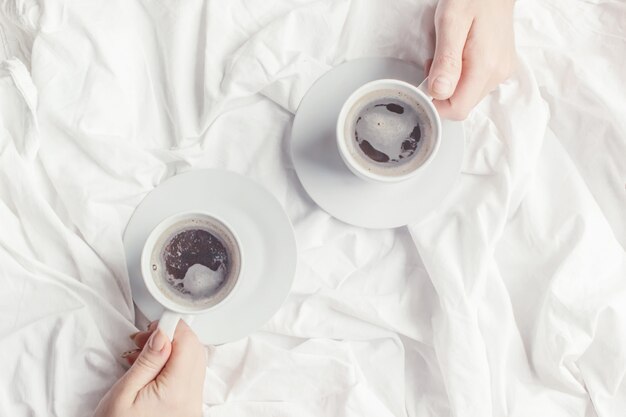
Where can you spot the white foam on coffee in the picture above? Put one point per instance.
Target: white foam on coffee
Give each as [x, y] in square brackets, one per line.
[201, 281]
[396, 127]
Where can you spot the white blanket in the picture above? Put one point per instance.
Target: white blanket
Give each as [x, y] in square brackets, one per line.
[510, 300]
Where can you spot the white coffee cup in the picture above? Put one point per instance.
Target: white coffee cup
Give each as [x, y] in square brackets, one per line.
[175, 311]
[418, 94]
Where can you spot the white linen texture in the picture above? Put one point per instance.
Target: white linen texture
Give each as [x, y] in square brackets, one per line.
[508, 300]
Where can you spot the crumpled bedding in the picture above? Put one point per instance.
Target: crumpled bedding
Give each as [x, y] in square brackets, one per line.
[509, 300]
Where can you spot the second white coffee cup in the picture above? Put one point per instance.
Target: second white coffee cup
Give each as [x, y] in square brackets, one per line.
[173, 311]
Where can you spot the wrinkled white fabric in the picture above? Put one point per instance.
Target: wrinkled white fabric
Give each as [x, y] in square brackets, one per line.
[509, 300]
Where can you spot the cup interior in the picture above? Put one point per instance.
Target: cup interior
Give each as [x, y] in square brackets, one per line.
[178, 259]
[370, 161]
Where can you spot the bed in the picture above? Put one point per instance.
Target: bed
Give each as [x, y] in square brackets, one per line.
[509, 300]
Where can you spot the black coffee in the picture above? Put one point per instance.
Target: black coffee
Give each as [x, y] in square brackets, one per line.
[390, 133]
[194, 247]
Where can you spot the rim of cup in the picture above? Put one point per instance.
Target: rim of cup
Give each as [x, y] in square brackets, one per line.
[146, 267]
[422, 98]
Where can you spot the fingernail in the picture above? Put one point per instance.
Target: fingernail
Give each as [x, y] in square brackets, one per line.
[157, 341]
[132, 336]
[128, 353]
[441, 85]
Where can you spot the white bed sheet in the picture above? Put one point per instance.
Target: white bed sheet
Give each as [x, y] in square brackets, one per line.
[510, 300]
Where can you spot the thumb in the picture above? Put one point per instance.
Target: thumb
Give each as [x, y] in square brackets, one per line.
[149, 364]
[451, 34]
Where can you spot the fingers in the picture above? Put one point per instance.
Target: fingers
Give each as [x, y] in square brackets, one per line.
[141, 338]
[451, 27]
[187, 361]
[131, 355]
[147, 364]
[471, 89]
[161, 364]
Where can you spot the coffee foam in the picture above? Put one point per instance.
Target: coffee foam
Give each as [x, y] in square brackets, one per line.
[201, 287]
[201, 281]
[389, 133]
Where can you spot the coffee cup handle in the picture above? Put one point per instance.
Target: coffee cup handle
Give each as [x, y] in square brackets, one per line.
[423, 87]
[169, 320]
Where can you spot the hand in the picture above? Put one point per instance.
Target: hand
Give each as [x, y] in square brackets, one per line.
[474, 52]
[165, 379]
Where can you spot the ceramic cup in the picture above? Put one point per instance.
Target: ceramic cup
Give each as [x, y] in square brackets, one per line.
[173, 310]
[418, 95]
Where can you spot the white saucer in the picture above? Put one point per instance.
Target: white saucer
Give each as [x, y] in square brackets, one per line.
[337, 190]
[265, 234]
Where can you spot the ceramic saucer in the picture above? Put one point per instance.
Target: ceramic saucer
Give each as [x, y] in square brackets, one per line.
[265, 234]
[330, 183]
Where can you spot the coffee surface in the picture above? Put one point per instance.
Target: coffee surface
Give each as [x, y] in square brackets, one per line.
[191, 247]
[388, 130]
[195, 263]
[389, 133]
